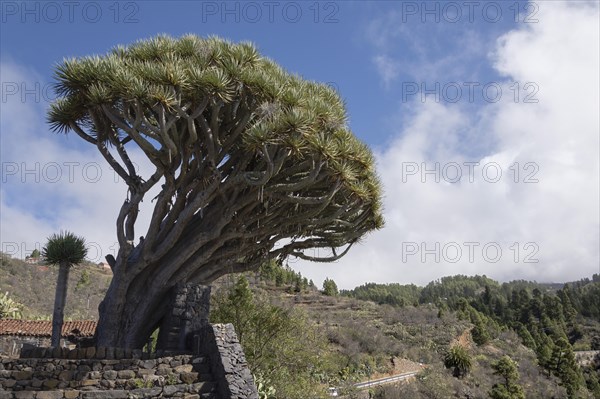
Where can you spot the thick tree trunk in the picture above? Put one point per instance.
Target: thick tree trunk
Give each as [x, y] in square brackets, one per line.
[60, 299]
[125, 325]
[135, 305]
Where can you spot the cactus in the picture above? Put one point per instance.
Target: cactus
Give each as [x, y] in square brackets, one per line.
[9, 309]
[265, 390]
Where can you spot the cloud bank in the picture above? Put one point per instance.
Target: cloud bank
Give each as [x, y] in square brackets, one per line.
[448, 210]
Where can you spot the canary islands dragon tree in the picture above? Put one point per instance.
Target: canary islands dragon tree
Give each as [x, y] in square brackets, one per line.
[254, 164]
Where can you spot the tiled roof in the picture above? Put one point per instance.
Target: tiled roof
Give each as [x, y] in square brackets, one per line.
[43, 328]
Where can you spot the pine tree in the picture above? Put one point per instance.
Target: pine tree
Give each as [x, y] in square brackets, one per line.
[565, 366]
[237, 307]
[567, 304]
[330, 287]
[526, 337]
[479, 333]
[510, 389]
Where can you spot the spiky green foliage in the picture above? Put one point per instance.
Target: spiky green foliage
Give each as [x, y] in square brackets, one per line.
[209, 103]
[65, 250]
[564, 366]
[257, 164]
[64, 247]
[458, 359]
[164, 83]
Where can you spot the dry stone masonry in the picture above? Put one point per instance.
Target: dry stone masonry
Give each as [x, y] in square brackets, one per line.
[228, 362]
[189, 314]
[194, 360]
[179, 376]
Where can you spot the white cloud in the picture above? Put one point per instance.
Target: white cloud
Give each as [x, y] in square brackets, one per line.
[555, 141]
[387, 68]
[405, 47]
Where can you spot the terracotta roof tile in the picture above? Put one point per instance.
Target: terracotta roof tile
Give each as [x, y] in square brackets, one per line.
[43, 328]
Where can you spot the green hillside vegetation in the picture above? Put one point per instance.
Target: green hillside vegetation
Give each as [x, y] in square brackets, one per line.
[391, 294]
[552, 321]
[32, 286]
[299, 341]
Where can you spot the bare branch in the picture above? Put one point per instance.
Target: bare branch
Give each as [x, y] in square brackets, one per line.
[82, 134]
[324, 259]
[144, 144]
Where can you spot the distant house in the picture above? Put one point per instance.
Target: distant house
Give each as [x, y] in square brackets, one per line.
[14, 334]
[104, 266]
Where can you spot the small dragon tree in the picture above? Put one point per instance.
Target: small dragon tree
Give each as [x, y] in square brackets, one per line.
[254, 164]
[65, 250]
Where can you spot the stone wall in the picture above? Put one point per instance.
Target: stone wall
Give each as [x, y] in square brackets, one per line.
[218, 370]
[48, 373]
[10, 345]
[228, 362]
[63, 352]
[177, 376]
[188, 315]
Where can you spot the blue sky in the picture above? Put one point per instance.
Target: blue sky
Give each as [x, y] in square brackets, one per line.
[333, 42]
[421, 81]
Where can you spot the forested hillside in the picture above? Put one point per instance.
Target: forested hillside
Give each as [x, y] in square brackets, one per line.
[552, 320]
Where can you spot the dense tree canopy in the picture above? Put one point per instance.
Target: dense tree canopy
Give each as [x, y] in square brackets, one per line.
[547, 317]
[330, 287]
[255, 164]
[393, 294]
